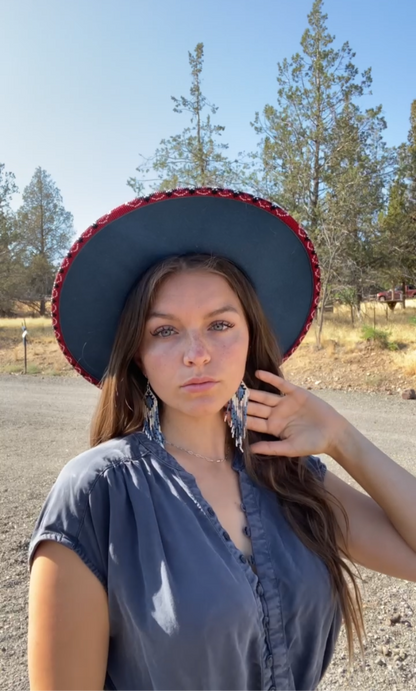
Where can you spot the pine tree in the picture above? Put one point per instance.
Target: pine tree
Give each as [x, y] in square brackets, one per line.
[195, 157]
[45, 232]
[323, 158]
[396, 242]
[9, 255]
[412, 159]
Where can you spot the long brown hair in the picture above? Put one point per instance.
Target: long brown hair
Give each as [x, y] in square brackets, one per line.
[307, 505]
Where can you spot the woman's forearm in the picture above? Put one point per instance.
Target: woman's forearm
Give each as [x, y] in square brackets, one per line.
[390, 485]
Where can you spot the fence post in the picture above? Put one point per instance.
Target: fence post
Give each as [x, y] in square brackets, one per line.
[24, 337]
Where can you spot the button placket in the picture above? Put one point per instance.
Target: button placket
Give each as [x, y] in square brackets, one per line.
[237, 553]
[268, 659]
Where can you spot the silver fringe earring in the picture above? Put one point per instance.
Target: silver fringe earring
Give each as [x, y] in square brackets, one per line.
[151, 425]
[237, 411]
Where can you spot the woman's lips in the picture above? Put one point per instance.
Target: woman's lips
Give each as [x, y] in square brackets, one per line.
[203, 386]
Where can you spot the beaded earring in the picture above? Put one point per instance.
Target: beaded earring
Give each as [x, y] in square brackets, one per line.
[151, 424]
[236, 415]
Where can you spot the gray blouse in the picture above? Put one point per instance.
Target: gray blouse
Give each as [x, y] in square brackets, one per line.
[187, 611]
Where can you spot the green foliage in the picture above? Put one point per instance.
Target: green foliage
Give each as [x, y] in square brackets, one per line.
[45, 231]
[9, 250]
[412, 320]
[412, 157]
[45, 226]
[308, 139]
[323, 157]
[396, 240]
[347, 296]
[12, 369]
[397, 233]
[378, 337]
[33, 369]
[392, 345]
[195, 157]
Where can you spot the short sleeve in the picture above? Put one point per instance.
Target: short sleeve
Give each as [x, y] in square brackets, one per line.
[76, 513]
[317, 467]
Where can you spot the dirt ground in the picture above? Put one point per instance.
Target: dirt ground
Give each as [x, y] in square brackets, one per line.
[44, 422]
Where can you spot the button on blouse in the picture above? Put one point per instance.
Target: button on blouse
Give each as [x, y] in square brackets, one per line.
[186, 609]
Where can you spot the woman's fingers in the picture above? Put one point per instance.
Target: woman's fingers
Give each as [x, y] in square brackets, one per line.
[284, 386]
[274, 448]
[258, 410]
[264, 397]
[257, 424]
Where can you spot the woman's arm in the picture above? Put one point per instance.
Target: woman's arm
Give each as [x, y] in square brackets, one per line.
[383, 525]
[390, 485]
[68, 622]
[382, 532]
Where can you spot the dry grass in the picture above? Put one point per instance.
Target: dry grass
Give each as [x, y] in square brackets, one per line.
[43, 353]
[346, 361]
[38, 327]
[338, 326]
[407, 362]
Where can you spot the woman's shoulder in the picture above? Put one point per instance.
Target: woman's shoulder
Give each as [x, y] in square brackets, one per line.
[90, 488]
[91, 465]
[316, 466]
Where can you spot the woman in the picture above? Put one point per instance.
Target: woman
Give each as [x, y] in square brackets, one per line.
[200, 544]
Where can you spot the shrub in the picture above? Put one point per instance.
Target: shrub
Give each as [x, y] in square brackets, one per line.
[377, 336]
[33, 369]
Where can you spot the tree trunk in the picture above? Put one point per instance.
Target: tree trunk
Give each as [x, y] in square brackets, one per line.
[404, 294]
[42, 308]
[320, 320]
[359, 301]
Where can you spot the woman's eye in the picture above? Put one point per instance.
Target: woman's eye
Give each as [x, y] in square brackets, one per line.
[221, 326]
[164, 331]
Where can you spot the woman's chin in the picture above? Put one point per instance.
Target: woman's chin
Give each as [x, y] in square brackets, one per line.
[200, 408]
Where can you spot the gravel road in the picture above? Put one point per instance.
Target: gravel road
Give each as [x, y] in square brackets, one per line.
[44, 422]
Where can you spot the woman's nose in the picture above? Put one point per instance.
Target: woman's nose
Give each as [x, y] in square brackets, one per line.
[196, 352]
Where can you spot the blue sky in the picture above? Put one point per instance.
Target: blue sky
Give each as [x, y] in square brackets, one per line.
[86, 84]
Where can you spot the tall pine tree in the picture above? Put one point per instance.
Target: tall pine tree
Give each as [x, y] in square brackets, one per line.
[195, 157]
[412, 159]
[318, 150]
[45, 232]
[9, 251]
[396, 242]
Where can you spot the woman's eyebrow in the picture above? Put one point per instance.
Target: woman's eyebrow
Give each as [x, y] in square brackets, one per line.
[220, 310]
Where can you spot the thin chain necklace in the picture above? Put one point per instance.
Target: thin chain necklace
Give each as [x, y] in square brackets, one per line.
[198, 455]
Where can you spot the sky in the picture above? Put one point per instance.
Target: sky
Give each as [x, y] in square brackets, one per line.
[87, 84]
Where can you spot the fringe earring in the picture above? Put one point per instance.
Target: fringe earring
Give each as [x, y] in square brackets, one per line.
[151, 424]
[237, 412]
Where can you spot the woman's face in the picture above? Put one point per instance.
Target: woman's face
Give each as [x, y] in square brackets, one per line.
[196, 331]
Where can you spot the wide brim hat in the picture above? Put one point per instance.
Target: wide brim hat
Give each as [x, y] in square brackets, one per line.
[108, 259]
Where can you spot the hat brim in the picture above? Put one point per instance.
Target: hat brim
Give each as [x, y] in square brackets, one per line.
[105, 263]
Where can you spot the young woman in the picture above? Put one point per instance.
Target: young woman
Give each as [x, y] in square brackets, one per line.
[200, 543]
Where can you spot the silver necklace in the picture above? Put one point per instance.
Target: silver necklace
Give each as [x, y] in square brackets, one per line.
[198, 455]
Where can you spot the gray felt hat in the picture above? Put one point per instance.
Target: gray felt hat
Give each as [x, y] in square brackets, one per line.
[105, 263]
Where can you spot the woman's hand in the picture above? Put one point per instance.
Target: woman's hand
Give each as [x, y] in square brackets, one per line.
[304, 423]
